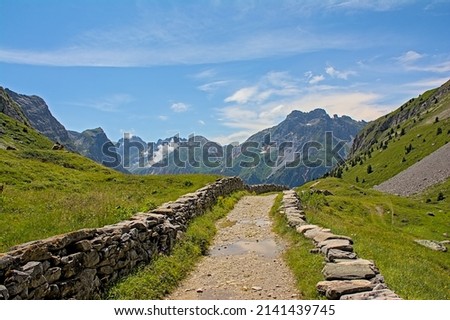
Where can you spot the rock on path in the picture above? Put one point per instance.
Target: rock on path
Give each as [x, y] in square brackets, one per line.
[244, 262]
[432, 169]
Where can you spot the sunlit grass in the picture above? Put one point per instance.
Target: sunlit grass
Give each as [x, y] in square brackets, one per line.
[384, 228]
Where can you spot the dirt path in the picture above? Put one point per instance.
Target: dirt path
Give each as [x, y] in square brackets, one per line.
[244, 261]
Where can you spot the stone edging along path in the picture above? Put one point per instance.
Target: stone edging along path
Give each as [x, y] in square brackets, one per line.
[347, 277]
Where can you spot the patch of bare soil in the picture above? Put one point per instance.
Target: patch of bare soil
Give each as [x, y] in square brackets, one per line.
[245, 260]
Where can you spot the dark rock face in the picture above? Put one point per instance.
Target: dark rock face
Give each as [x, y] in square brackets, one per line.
[10, 108]
[40, 117]
[94, 144]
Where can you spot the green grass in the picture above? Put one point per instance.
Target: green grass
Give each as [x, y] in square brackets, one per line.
[305, 266]
[48, 192]
[384, 227]
[162, 276]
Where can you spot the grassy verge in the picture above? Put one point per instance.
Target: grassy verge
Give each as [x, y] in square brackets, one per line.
[384, 228]
[305, 266]
[163, 275]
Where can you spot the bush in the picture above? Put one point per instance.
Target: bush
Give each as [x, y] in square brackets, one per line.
[369, 169]
[440, 196]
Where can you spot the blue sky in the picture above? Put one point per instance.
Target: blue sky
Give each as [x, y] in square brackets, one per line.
[222, 69]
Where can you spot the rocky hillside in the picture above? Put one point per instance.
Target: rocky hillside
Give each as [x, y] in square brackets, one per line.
[11, 109]
[40, 117]
[34, 111]
[393, 143]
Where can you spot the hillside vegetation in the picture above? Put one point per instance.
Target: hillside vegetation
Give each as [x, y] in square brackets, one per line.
[385, 226]
[44, 192]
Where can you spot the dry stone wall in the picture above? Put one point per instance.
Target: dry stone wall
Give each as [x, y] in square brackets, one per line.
[347, 277]
[81, 264]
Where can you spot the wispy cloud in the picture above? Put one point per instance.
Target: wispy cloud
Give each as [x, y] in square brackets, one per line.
[410, 56]
[179, 107]
[313, 79]
[333, 72]
[201, 122]
[213, 86]
[191, 37]
[163, 118]
[205, 74]
[243, 95]
[111, 103]
[273, 84]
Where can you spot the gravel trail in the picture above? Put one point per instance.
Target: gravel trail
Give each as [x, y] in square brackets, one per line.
[432, 169]
[245, 260]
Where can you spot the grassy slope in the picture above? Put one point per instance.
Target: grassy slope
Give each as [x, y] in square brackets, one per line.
[51, 192]
[384, 226]
[420, 132]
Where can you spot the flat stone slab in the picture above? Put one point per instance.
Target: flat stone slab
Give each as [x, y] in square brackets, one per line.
[334, 254]
[335, 289]
[306, 227]
[310, 234]
[340, 244]
[348, 271]
[431, 244]
[322, 236]
[356, 261]
[384, 294]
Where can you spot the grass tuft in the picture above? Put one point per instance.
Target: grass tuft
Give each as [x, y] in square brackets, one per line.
[305, 266]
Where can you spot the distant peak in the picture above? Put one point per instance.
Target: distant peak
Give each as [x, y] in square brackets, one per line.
[313, 114]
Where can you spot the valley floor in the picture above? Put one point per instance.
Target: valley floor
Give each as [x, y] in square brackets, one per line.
[245, 260]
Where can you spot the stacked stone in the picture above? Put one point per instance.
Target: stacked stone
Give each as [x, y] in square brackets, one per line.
[82, 264]
[263, 188]
[347, 277]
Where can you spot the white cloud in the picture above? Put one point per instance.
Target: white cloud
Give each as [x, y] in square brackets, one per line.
[242, 95]
[179, 107]
[213, 86]
[410, 56]
[331, 71]
[163, 118]
[316, 79]
[273, 84]
[356, 104]
[201, 122]
[111, 103]
[205, 74]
